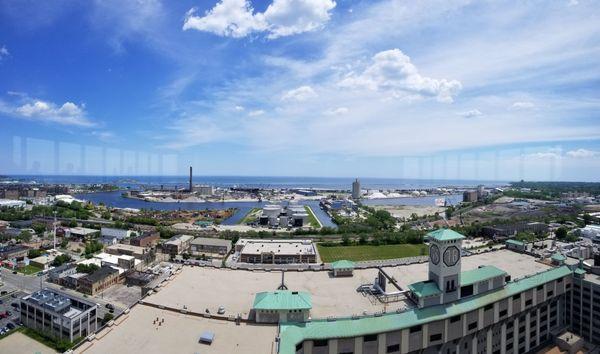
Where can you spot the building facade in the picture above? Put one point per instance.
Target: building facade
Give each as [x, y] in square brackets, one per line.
[477, 311]
[59, 315]
[149, 239]
[210, 246]
[276, 251]
[98, 281]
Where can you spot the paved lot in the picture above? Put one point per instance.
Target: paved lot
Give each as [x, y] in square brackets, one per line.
[18, 343]
[199, 288]
[179, 333]
[6, 305]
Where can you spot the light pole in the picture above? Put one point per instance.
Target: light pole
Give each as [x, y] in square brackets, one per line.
[54, 230]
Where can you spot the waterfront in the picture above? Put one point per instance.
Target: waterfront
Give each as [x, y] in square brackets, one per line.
[328, 183]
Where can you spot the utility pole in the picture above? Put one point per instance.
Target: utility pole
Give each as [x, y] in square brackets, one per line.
[54, 230]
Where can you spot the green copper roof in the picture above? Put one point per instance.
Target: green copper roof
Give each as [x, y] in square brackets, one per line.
[342, 264]
[558, 257]
[425, 288]
[445, 235]
[515, 242]
[294, 333]
[469, 277]
[282, 300]
[580, 271]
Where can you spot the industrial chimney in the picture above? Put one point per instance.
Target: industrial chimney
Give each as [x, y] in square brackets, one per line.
[191, 189]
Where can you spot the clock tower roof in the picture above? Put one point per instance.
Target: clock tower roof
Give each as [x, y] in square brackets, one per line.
[445, 235]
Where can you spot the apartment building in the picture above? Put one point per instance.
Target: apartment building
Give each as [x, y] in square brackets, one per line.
[60, 315]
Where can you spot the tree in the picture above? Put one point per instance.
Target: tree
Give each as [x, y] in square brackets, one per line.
[449, 211]
[107, 318]
[38, 228]
[60, 260]
[587, 219]
[561, 233]
[87, 268]
[33, 253]
[24, 236]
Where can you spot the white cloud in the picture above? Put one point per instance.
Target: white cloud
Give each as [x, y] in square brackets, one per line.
[3, 52]
[392, 71]
[237, 19]
[471, 114]
[337, 111]
[230, 18]
[239, 108]
[582, 153]
[542, 156]
[299, 94]
[289, 17]
[256, 113]
[68, 113]
[523, 105]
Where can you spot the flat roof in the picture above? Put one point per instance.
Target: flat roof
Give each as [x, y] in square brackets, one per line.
[293, 247]
[292, 334]
[445, 235]
[211, 241]
[282, 300]
[132, 248]
[179, 333]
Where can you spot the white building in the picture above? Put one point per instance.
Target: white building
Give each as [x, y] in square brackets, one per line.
[10, 203]
[111, 236]
[592, 232]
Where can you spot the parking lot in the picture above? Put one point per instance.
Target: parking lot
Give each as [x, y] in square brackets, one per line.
[9, 313]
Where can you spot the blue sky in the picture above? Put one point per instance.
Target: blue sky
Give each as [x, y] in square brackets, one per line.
[494, 90]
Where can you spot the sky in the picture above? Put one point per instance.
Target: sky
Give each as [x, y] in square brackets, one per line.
[489, 90]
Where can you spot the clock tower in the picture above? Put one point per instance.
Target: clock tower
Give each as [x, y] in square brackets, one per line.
[444, 262]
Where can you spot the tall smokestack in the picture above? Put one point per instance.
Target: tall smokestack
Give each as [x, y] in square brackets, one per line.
[191, 189]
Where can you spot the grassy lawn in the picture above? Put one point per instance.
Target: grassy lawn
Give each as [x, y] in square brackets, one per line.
[312, 219]
[368, 253]
[250, 217]
[29, 269]
[57, 344]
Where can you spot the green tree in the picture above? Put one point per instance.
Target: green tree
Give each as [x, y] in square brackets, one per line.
[87, 268]
[561, 233]
[33, 253]
[107, 318]
[24, 236]
[587, 219]
[61, 259]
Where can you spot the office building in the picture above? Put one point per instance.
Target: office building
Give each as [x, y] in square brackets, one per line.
[17, 252]
[59, 315]
[177, 245]
[477, 311]
[276, 251]
[356, 189]
[469, 196]
[210, 246]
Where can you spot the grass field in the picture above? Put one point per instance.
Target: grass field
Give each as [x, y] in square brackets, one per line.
[29, 269]
[251, 216]
[312, 219]
[369, 253]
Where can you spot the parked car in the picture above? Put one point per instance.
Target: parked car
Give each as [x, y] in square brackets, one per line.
[15, 305]
[10, 325]
[110, 306]
[221, 310]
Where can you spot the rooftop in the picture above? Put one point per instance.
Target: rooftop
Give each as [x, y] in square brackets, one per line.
[424, 288]
[342, 264]
[445, 235]
[277, 247]
[515, 242]
[282, 300]
[292, 334]
[482, 273]
[558, 257]
[210, 241]
[101, 273]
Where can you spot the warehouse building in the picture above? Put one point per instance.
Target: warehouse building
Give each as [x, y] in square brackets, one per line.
[516, 245]
[147, 239]
[477, 311]
[98, 281]
[276, 251]
[177, 245]
[210, 246]
[59, 315]
[342, 268]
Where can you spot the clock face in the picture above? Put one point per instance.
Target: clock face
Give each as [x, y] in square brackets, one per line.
[451, 256]
[434, 254]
